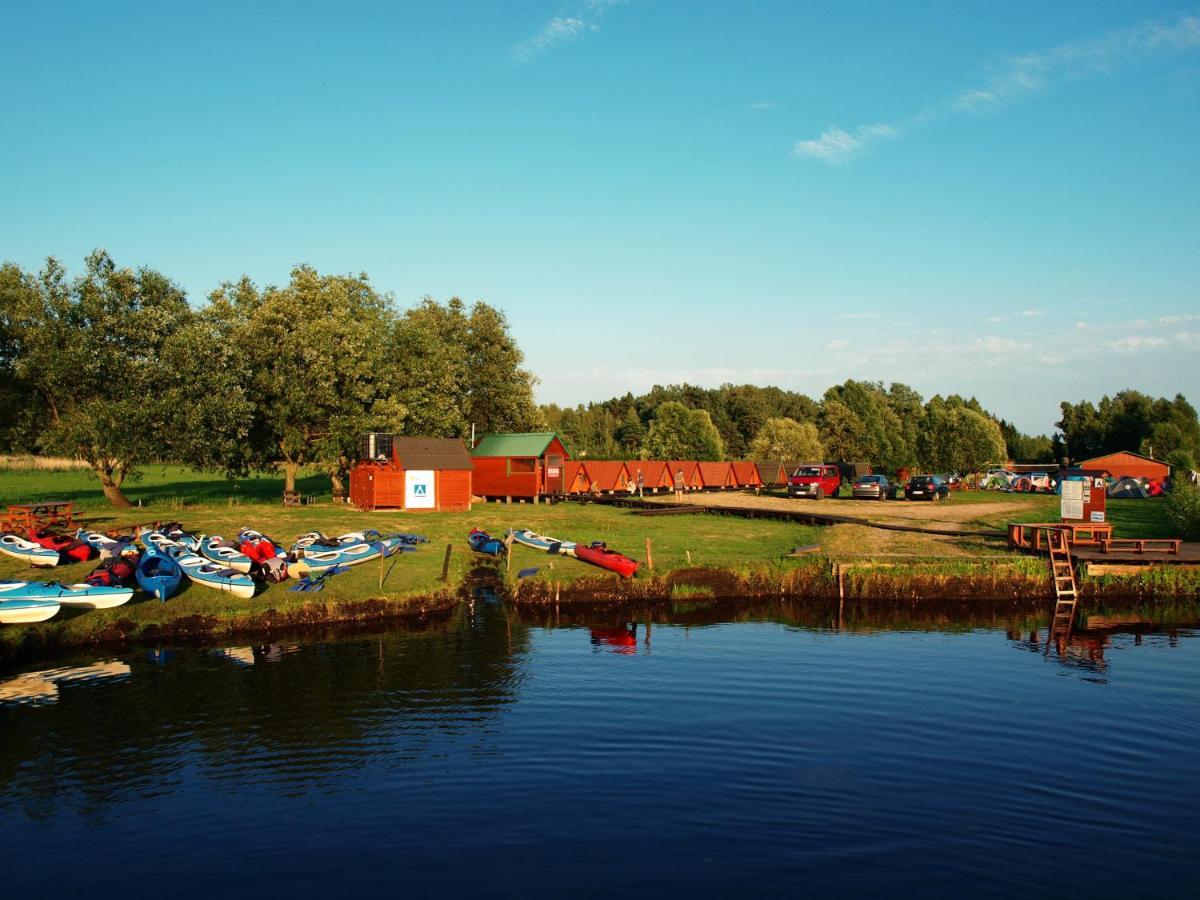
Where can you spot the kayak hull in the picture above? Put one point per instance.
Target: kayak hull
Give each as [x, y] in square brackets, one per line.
[599, 555]
[80, 596]
[226, 556]
[158, 575]
[200, 570]
[24, 612]
[27, 551]
[541, 542]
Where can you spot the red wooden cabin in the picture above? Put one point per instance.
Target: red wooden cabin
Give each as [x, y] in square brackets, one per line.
[746, 474]
[413, 474]
[525, 465]
[607, 475]
[691, 474]
[656, 476]
[575, 478]
[716, 475]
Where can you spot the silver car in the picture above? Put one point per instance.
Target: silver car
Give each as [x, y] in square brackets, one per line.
[872, 487]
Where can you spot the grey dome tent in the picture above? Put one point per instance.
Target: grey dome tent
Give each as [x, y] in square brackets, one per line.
[1127, 489]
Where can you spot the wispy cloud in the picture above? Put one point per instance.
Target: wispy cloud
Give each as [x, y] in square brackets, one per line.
[836, 146]
[1018, 77]
[1023, 314]
[569, 25]
[855, 316]
[762, 104]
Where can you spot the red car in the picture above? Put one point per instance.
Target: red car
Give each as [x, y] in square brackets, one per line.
[815, 481]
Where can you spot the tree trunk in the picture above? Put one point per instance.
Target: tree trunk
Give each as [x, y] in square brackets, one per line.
[289, 475]
[112, 489]
[339, 483]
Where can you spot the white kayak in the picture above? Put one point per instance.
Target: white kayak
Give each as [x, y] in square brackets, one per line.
[200, 570]
[27, 551]
[317, 560]
[220, 550]
[546, 544]
[108, 547]
[80, 596]
[22, 612]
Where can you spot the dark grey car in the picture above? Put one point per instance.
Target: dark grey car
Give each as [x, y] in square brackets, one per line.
[872, 487]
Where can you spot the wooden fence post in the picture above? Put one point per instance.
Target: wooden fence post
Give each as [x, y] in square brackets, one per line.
[649, 556]
[446, 564]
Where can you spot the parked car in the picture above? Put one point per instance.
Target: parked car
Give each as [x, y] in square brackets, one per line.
[872, 487]
[815, 482]
[926, 487]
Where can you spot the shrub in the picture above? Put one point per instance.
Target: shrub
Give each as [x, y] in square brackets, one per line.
[1183, 510]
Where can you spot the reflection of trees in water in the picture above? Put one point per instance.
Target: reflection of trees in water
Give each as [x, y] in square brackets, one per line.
[295, 722]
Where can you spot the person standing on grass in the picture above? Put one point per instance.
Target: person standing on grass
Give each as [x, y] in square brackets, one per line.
[679, 485]
[641, 484]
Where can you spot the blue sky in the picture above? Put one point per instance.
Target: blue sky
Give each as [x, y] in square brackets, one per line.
[996, 200]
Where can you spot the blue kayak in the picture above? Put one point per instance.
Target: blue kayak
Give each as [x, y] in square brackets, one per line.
[482, 542]
[200, 570]
[20, 612]
[108, 547]
[220, 550]
[27, 551]
[541, 542]
[317, 558]
[82, 596]
[158, 575]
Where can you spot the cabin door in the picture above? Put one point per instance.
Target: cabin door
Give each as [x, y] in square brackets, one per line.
[554, 473]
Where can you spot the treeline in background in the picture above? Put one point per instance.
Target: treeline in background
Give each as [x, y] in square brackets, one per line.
[116, 368]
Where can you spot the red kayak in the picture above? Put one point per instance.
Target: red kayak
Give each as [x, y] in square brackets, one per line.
[598, 554]
[68, 547]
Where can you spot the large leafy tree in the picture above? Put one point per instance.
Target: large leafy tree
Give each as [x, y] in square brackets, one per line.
[677, 432]
[880, 436]
[787, 439]
[315, 359]
[956, 438]
[90, 349]
[460, 367]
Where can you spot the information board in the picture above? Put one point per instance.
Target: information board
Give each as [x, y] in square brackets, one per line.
[1072, 499]
[418, 489]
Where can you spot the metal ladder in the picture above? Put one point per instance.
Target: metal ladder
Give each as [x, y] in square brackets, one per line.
[1066, 591]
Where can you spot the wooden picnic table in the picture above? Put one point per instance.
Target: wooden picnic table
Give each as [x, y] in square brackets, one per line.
[31, 517]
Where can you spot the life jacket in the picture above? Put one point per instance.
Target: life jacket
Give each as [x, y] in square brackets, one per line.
[114, 572]
[259, 551]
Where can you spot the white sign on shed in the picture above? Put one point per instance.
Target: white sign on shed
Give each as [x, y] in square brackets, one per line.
[419, 488]
[1072, 498]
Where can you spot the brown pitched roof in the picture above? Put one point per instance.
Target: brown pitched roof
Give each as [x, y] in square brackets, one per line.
[608, 474]
[746, 474]
[655, 472]
[716, 474]
[431, 453]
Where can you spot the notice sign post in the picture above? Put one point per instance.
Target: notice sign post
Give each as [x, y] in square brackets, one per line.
[419, 489]
[1071, 508]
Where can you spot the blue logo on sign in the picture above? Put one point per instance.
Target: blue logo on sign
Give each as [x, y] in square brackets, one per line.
[418, 490]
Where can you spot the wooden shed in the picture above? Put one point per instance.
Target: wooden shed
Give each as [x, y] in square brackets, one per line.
[716, 475]
[771, 472]
[745, 474]
[1128, 465]
[524, 465]
[414, 474]
[607, 475]
[656, 475]
[575, 477]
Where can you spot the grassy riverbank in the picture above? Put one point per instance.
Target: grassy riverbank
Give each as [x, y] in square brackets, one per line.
[694, 556]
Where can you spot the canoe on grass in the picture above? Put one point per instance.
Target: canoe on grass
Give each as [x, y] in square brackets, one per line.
[27, 551]
[598, 554]
[107, 546]
[317, 559]
[482, 542]
[158, 575]
[229, 553]
[68, 548]
[200, 570]
[81, 596]
[21, 612]
[541, 542]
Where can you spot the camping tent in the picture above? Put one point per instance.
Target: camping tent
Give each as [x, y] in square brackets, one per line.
[1127, 489]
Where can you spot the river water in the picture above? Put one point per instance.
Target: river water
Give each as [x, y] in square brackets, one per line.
[711, 754]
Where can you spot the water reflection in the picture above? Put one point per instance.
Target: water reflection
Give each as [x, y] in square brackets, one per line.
[42, 687]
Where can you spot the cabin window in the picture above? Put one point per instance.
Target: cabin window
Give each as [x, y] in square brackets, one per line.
[522, 466]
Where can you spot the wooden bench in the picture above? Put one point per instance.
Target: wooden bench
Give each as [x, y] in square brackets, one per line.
[1031, 535]
[26, 518]
[1141, 545]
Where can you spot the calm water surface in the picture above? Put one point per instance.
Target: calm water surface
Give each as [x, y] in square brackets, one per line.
[709, 759]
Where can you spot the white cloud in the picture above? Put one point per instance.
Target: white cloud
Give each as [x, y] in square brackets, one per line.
[838, 344]
[1135, 342]
[583, 17]
[1023, 314]
[836, 146]
[1019, 77]
[855, 316]
[762, 104]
